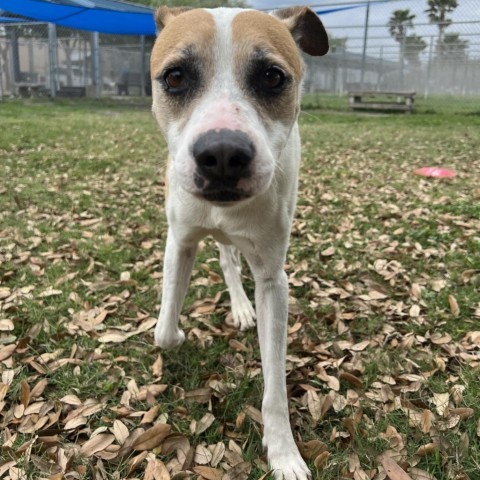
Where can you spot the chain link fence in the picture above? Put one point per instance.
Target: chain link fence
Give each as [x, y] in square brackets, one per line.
[372, 49]
[381, 47]
[38, 59]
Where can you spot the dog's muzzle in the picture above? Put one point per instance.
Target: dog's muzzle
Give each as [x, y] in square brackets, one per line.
[223, 157]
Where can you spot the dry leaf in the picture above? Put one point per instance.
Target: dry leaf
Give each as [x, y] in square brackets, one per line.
[217, 454]
[24, 393]
[239, 472]
[203, 456]
[205, 423]
[113, 337]
[135, 462]
[463, 445]
[441, 402]
[426, 421]
[200, 395]
[311, 449]
[418, 474]
[156, 470]
[328, 252]
[463, 413]
[254, 414]
[208, 473]
[152, 438]
[120, 431]
[427, 449]
[392, 469]
[314, 405]
[352, 379]
[454, 308]
[96, 444]
[157, 367]
[320, 460]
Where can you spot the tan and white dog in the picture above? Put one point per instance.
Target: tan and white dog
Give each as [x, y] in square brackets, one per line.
[226, 95]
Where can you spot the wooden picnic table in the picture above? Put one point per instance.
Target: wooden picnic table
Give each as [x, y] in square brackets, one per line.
[382, 100]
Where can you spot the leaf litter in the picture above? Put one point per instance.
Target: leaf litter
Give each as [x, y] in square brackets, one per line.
[378, 378]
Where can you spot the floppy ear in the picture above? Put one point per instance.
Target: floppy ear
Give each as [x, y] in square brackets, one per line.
[306, 29]
[164, 14]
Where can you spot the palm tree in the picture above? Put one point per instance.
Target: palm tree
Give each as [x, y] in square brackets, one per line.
[397, 26]
[437, 13]
[414, 45]
[398, 23]
[453, 46]
[337, 43]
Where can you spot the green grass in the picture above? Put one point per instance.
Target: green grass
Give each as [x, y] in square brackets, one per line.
[81, 213]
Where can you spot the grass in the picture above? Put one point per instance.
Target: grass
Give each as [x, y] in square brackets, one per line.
[378, 255]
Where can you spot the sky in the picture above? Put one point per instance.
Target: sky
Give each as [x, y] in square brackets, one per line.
[350, 23]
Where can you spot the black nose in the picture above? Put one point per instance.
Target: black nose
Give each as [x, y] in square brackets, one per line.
[223, 154]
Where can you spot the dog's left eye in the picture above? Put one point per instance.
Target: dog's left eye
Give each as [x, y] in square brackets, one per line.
[273, 78]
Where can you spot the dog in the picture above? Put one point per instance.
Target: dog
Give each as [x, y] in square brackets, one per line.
[226, 87]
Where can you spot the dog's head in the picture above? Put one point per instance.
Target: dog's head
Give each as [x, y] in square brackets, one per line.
[226, 93]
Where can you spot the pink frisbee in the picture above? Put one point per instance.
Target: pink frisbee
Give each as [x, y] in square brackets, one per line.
[435, 172]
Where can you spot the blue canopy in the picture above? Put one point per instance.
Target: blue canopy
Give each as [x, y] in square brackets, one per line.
[104, 16]
[11, 19]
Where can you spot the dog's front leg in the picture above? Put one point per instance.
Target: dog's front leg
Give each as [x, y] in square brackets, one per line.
[271, 297]
[177, 268]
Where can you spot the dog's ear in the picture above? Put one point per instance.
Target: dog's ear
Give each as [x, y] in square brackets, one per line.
[164, 14]
[306, 28]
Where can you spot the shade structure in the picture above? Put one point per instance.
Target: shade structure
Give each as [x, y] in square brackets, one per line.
[104, 16]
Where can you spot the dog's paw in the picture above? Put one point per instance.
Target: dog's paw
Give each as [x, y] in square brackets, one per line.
[169, 339]
[243, 314]
[289, 466]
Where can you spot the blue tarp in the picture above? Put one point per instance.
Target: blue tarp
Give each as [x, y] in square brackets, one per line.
[104, 16]
[11, 20]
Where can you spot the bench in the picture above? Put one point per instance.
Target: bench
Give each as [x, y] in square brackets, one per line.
[71, 92]
[382, 100]
[35, 90]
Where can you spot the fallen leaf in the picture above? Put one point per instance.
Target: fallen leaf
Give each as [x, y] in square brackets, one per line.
[96, 444]
[419, 474]
[205, 423]
[454, 308]
[314, 405]
[152, 438]
[441, 402]
[392, 469]
[209, 473]
[156, 470]
[120, 431]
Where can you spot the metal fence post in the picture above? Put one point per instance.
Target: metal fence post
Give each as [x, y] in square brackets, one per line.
[142, 65]
[465, 75]
[380, 70]
[402, 58]
[364, 53]
[429, 68]
[52, 58]
[1, 80]
[96, 79]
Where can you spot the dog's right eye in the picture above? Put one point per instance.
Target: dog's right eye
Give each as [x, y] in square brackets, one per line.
[175, 80]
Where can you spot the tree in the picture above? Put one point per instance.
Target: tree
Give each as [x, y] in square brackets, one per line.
[397, 26]
[437, 13]
[414, 45]
[337, 44]
[453, 46]
[398, 23]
